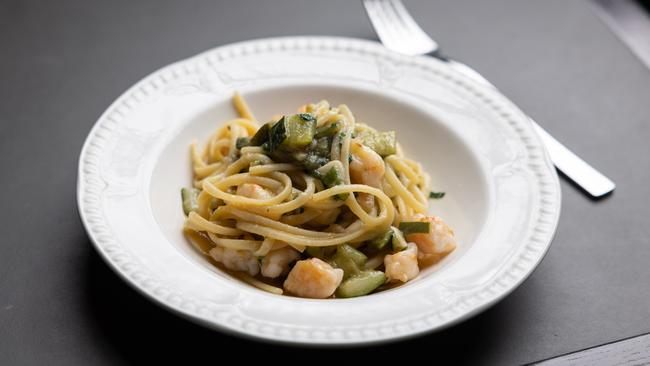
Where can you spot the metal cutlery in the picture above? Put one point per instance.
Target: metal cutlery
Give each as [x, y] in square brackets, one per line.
[399, 32]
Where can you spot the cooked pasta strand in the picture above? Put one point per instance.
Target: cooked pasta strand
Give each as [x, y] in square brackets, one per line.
[317, 185]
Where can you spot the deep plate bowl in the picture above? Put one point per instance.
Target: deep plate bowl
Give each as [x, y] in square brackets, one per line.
[503, 197]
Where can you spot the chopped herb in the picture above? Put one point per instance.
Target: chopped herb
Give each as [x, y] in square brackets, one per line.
[436, 195]
[307, 117]
[349, 158]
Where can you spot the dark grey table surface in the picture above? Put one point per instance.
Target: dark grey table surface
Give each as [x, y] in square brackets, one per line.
[63, 62]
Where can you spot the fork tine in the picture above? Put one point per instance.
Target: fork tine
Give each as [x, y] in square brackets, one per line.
[396, 25]
[397, 29]
[411, 24]
[381, 23]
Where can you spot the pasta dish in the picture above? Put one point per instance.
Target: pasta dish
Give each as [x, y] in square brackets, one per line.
[314, 204]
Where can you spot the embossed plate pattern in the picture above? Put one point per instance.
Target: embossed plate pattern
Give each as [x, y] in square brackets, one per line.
[503, 193]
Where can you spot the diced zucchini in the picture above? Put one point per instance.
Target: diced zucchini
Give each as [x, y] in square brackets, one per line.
[332, 177]
[347, 265]
[277, 134]
[290, 140]
[320, 252]
[307, 159]
[415, 227]
[349, 260]
[316, 252]
[261, 136]
[383, 143]
[293, 132]
[242, 141]
[189, 196]
[380, 241]
[322, 147]
[358, 257]
[313, 161]
[361, 284]
[300, 131]
[328, 130]
[398, 242]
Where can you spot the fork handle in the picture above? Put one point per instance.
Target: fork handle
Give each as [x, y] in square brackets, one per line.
[578, 170]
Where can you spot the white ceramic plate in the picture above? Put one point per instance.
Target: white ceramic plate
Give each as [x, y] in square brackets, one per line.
[503, 197]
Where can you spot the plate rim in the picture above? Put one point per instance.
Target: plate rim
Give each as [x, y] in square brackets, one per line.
[307, 43]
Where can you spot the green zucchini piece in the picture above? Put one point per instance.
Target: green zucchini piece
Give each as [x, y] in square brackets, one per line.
[347, 265]
[383, 143]
[328, 130]
[316, 252]
[415, 227]
[321, 252]
[398, 242]
[332, 177]
[300, 129]
[242, 142]
[380, 241]
[261, 136]
[349, 260]
[361, 284]
[189, 196]
[277, 135]
[322, 147]
[293, 132]
[313, 161]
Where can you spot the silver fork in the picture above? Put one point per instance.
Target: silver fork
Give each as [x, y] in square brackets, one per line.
[399, 32]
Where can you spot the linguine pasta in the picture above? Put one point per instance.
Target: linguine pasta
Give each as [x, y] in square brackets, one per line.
[315, 203]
